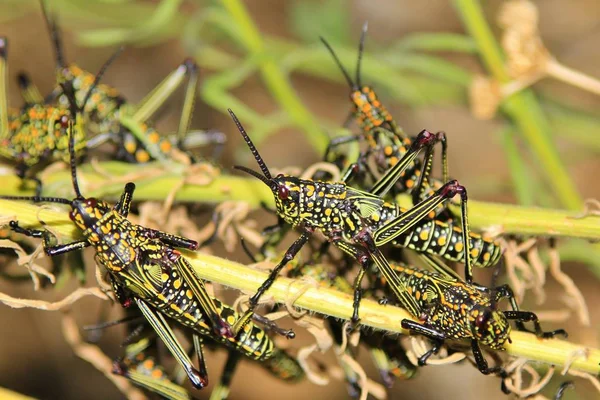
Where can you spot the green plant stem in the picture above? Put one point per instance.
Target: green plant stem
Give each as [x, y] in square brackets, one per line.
[522, 107]
[316, 299]
[519, 173]
[275, 80]
[152, 183]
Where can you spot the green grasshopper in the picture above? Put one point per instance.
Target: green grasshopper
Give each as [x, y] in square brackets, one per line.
[35, 136]
[146, 270]
[386, 352]
[449, 308]
[359, 222]
[108, 114]
[141, 368]
[386, 141]
[140, 365]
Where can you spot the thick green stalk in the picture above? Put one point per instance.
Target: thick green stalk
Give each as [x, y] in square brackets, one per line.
[155, 184]
[316, 299]
[522, 107]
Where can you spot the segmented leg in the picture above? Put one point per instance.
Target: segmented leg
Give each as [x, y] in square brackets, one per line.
[436, 337]
[197, 377]
[289, 256]
[29, 92]
[124, 204]
[405, 221]
[143, 370]
[526, 316]
[419, 192]
[196, 285]
[483, 367]
[156, 98]
[172, 240]
[425, 140]
[273, 327]
[338, 141]
[49, 250]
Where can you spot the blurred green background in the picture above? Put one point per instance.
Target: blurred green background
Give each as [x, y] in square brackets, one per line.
[420, 60]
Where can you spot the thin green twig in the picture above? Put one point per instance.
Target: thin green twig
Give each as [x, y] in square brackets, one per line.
[277, 83]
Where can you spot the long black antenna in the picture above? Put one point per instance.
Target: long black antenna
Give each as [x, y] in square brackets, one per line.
[73, 160]
[100, 74]
[255, 153]
[361, 47]
[37, 199]
[353, 85]
[54, 35]
[254, 174]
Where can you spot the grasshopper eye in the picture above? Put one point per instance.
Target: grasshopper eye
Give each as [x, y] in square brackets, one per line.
[482, 322]
[91, 202]
[64, 121]
[283, 192]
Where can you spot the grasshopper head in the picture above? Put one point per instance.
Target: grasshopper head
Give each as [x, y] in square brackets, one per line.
[489, 327]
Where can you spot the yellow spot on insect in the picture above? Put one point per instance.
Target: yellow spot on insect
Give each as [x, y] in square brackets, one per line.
[231, 320]
[387, 150]
[189, 294]
[336, 219]
[424, 235]
[148, 364]
[164, 277]
[442, 240]
[130, 146]
[157, 374]
[375, 216]
[106, 228]
[328, 212]
[393, 161]
[418, 295]
[177, 283]
[350, 224]
[153, 137]
[487, 256]
[142, 156]
[321, 194]
[165, 146]
[474, 252]
[310, 190]
[175, 308]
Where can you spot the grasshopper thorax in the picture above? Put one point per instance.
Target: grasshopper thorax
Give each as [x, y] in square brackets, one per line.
[87, 212]
[489, 327]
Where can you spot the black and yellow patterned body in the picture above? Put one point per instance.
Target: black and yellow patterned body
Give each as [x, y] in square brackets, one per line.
[38, 135]
[387, 143]
[342, 212]
[451, 307]
[149, 269]
[102, 113]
